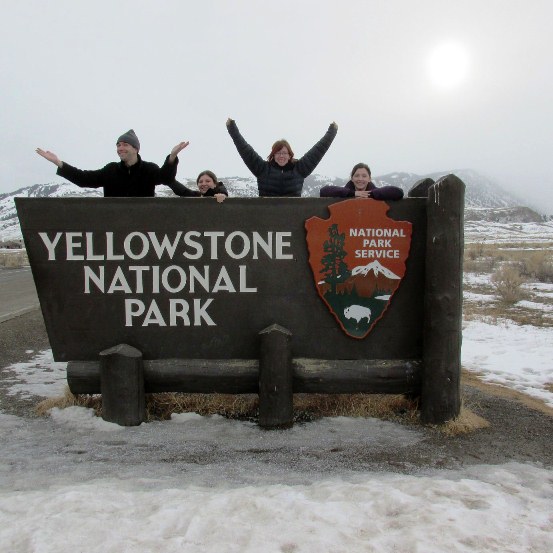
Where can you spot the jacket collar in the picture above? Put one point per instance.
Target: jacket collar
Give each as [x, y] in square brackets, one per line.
[134, 166]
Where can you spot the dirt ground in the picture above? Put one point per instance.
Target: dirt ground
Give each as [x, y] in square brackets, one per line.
[520, 428]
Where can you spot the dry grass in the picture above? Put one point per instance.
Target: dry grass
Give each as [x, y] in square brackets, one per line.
[13, 260]
[535, 264]
[239, 406]
[495, 314]
[466, 422]
[480, 265]
[70, 400]
[381, 406]
[307, 407]
[509, 266]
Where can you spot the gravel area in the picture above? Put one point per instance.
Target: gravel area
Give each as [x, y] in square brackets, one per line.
[517, 432]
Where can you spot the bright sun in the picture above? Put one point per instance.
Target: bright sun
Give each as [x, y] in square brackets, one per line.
[448, 65]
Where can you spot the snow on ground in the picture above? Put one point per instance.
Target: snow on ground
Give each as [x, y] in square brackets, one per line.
[507, 233]
[483, 298]
[503, 509]
[534, 305]
[516, 356]
[74, 482]
[41, 376]
[57, 494]
[476, 279]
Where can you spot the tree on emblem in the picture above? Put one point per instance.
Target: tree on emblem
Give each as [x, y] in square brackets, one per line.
[334, 268]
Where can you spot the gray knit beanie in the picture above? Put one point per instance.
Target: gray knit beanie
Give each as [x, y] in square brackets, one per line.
[130, 138]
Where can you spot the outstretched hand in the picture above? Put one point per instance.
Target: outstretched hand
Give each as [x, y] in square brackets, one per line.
[334, 124]
[177, 150]
[229, 121]
[50, 156]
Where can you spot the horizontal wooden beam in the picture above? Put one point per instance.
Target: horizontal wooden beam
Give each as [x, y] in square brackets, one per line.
[241, 376]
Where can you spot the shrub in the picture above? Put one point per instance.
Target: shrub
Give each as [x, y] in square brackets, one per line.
[475, 250]
[507, 282]
[538, 266]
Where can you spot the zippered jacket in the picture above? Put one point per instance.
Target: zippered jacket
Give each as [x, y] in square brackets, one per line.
[348, 191]
[274, 180]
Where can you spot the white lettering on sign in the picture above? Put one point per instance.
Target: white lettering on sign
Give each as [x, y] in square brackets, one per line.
[86, 246]
[377, 232]
[181, 313]
[377, 254]
[379, 238]
[172, 279]
[126, 277]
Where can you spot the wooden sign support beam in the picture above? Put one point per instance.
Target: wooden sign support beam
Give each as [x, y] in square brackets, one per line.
[122, 385]
[443, 300]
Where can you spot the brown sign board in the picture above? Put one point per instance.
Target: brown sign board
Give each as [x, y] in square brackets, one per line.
[191, 278]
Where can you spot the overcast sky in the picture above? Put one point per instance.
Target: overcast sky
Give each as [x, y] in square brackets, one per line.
[76, 75]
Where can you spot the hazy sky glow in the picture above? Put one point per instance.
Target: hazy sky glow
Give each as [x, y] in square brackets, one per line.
[76, 75]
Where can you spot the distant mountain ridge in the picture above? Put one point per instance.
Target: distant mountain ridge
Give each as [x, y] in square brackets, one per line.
[480, 193]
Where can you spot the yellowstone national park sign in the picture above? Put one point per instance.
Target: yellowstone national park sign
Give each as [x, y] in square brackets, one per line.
[191, 278]
[358, 257]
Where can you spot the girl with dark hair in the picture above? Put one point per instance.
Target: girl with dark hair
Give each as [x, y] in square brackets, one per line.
[361, 186]
[281, 174]
[208, 186]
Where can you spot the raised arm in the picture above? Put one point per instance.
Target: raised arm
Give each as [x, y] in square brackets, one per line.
[307, 163]
[50, 156]
[84, 179]
[254, 162]
[177, 150]
[168, 171]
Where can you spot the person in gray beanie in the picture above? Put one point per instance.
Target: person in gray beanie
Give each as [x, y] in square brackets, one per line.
[130, 138]
[131, 177]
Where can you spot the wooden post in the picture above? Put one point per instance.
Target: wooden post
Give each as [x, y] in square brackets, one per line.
[420, 188]
[440, 395]
[276, 409]
[122, 385]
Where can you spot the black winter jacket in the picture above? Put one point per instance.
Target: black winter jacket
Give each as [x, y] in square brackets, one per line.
[348, 191]
[138, 180]
[181, 190]
[273, 180]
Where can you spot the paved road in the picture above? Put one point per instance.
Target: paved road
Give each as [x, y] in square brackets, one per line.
[17, 293]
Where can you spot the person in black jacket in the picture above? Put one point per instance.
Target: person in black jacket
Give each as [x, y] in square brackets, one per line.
[361, 186]
[130, 177]
[281, 174]
[208, 186]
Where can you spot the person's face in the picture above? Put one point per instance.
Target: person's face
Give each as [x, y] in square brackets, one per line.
[282, 157]
[205, 183]
[126, 152]
[361, 179]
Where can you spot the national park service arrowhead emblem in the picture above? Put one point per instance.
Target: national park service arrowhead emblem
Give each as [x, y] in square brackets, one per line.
[358, 258]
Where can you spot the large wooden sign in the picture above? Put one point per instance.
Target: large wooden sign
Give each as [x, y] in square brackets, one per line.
[191, 278]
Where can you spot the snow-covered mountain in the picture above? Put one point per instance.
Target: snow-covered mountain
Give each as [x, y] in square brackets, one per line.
[376, 269]
[481, 193]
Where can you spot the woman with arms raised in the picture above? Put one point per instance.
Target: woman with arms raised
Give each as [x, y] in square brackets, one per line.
[281, 174]
[361, 186]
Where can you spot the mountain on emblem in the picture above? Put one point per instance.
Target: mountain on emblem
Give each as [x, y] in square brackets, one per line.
[358, 258]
